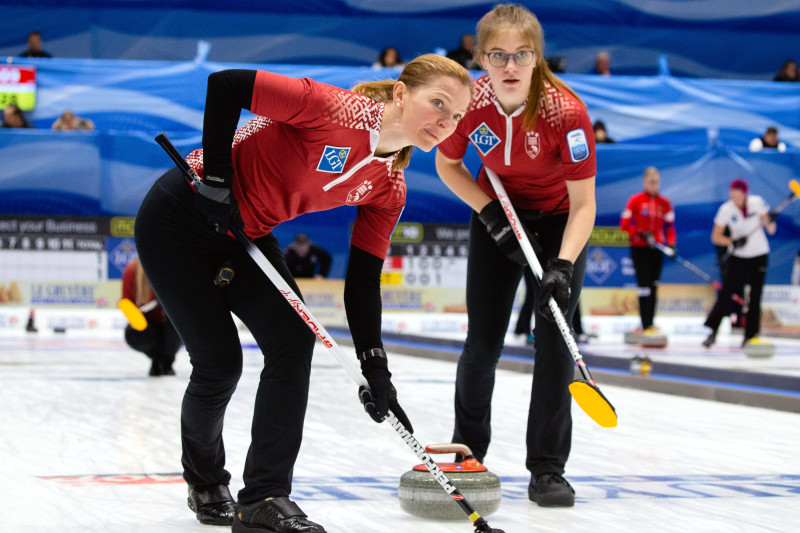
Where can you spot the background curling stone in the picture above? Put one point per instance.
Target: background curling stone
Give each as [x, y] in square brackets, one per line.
[653, 341]
[757, 349]
[634, 336]
[653, 338]
[421, 495]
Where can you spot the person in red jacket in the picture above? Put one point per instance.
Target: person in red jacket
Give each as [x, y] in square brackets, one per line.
[311, 147]
[532, 130]
[159, 341]
[648, 219]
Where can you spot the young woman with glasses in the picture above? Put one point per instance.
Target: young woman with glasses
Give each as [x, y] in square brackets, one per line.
[534, 132]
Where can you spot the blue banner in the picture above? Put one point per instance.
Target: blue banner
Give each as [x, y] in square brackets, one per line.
[695, 131]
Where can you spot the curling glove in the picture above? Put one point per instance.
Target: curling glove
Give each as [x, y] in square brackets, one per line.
[381, 395]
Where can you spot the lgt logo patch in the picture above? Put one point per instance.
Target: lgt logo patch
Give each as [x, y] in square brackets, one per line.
[359, 193]
[484, 139]
[333, 159]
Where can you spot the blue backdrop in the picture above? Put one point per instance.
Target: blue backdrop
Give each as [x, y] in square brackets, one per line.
[694, 131]
[708, 38]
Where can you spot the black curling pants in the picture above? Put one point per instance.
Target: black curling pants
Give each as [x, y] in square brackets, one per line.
[648, 263]
[181, 254]
[492, 282]
[158, 341]
[738, 273]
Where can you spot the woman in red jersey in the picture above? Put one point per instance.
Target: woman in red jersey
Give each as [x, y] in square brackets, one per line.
[535, 133]
[312, 147]
[648, 219]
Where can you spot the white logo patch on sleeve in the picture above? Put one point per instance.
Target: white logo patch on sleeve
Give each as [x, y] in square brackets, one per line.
[578, 146]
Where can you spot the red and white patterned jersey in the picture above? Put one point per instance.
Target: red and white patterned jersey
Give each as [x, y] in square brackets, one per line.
[650, 214]
[311, 149]
[533, 165]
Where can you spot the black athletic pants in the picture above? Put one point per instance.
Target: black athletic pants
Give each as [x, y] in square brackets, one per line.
[181, 254]
[738, 273]
[158, 341]
[647, 262]
[492, 282]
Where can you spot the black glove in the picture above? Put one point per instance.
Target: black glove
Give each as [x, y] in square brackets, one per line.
[771, 216]
[555, 283]
[381, 395]
[217, 204]
[494, 218]
[738, 243]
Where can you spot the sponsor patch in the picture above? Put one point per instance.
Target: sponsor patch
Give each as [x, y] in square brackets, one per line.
[578, 146]
[333, 159]
[484, 139]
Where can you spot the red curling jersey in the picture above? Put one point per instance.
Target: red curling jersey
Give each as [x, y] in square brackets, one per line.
[651, 214]
[311, 149]
[534, 166]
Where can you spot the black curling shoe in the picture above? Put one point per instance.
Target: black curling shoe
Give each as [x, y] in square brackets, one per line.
[273, 515]
[551, 490]
[213, 504]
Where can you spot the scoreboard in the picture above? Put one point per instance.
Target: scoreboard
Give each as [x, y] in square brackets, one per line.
[427, 255]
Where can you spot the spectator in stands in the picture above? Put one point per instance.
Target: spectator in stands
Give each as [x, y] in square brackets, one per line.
[14, 118]
[600, 135]
[602, 64]
[159, 341]
[464, 54]
[389, 57]
[768, 140]
[788, 71]
[68, 121]
[648, 219]
[557, 64]
[307, 260]
[748, 216]
[35, 46]
[795, 280]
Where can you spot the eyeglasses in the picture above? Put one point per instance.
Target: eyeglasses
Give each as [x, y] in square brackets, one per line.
[523, 58]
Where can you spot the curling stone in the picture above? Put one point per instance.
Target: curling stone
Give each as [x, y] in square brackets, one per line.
[421, 494]
[634, 336]
[653, 338]
[756, 348]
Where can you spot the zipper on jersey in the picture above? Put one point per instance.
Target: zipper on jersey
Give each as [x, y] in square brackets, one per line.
[344, 177]
[509, 130]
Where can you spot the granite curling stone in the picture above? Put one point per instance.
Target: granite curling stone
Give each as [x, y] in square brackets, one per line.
[756, 348]
[421, 494]
[634, 336]
[653, 340]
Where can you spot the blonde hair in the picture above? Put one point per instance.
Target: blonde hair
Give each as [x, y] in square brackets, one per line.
[422, 71]
[519, 18]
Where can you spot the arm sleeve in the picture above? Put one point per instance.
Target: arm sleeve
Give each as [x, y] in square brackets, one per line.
[626, 219]
[129, 282]
[362, 299]
[228, 92]
[669, 226]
